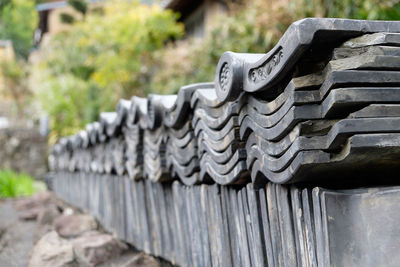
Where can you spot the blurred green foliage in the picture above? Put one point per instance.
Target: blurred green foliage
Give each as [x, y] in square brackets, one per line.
[254, 27]
[124, 51]
[71, 102]
[14, 184]
[108, 56]
[15, 84]
[356, 9]
[79, 5]
[18, 21]
[67, 18]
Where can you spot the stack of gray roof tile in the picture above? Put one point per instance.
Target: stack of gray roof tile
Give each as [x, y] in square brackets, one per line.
[216, 126]
[310, 108]
[155, 139]
[326, 119]
[322, 108]
[182, 148]
[133, 134]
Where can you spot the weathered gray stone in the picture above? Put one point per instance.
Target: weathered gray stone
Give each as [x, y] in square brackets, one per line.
[42, 206]
[142, 260]
[23, 150]
[30, 214]
[74, 225]
[94, 248]
[48, 214]
[34, 201]
[52, 251]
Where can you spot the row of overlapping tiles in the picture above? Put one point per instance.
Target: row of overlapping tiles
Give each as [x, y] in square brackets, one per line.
[213, 225]
[318, 104]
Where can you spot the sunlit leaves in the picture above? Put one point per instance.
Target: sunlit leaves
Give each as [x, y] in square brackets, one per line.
[107, 56]
[18, 21]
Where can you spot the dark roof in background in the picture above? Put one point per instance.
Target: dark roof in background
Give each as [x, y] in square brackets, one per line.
[5, 43]
[184, 7]
[56, 4]
[59, 4]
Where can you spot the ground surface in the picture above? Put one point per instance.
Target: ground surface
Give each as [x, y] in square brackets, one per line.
[16, 237]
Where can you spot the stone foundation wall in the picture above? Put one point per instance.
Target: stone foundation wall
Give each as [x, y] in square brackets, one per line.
[23, 150]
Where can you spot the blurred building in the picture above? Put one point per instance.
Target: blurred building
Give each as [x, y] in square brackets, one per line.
[50, 14]
[6, 50]
[197, 15]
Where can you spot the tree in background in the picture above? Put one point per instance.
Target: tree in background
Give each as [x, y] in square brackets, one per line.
[252, 27]
[124, 51]
[101, 59]
[79, 6]
[15, 76]
[18, 21]
[3, 3]
[355, 9]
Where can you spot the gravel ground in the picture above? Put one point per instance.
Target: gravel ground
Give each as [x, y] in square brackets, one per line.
[16, 237]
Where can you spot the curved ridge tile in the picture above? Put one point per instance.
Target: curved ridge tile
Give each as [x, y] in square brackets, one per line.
[230, 139]
[333, 140]
[185, 140]
[182, 153]
[185, 170]
[227, 111]
[137, 112]
[236, 72]
[76, 141]
[334, 103]
[222, 156]
[181, 159]
[106, 119]
[310, 164]
[335, 79]
[93, 132]
[221, 168]
[122, 111]
[83, 136]
[216, 135]
[181, 132]
[156, 106]
[206, 98]
[238, 174]
[133, 136]
[176, 116]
